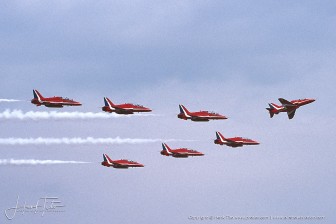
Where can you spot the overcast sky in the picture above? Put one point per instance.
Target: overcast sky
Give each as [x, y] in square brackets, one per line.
[232, 57]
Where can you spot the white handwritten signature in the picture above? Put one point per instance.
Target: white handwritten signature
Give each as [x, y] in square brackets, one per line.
[43, 204]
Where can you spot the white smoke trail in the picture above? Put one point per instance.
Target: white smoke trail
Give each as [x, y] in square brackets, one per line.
[80, 141]
[44, 115]
[37, 162]
[9, 100]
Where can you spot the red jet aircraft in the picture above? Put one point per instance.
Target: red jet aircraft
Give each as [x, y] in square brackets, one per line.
[198, 116]
[120, 164]
[179, 153]
[55, 101]
[289, 107]
[234, 142]
[126, 108]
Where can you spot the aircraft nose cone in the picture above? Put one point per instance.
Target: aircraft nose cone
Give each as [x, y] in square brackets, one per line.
[147, 109]
[222, 117]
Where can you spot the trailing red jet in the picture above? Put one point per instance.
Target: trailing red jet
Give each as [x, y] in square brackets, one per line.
[198, 116]
[55, 101]
[126, 108]
[289, 107]
[120, 164]
[179, 153]
[234, 142]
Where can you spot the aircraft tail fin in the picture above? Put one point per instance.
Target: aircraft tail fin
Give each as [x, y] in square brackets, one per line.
[184, 110]
[37, 95]
[166, 148]
[271, 108]
[108, 102]
[107, 159]
[219, 136]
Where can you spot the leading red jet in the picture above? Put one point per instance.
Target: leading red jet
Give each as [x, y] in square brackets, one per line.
[198, 116]
[289, 107]
[119, 164]
[55, 101]
[126, 108]
[234, 142]
[179, 153]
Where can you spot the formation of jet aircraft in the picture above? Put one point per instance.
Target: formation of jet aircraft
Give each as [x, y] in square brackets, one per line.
[55, 101]
[58, 102]
[127, 108]
[287, 106]
[180, 152]
[233, 142]
[119, 164]
[185, 114]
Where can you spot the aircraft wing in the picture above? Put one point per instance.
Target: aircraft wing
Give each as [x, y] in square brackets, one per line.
[53, 104]
[122, 110]
[285, 102]
[291, 113]
[290, 107]
[230, 141]
[181, 153]
[120, 164]
[199, 118]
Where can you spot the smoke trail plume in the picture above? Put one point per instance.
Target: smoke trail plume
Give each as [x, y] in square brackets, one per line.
[19, 162]
[9, 100]
[44, 115]
[80, 141]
